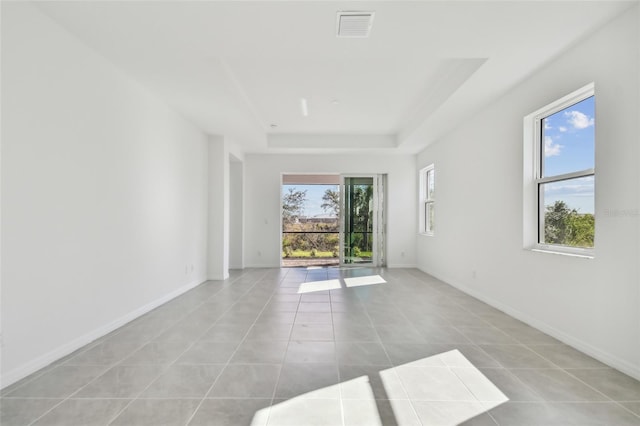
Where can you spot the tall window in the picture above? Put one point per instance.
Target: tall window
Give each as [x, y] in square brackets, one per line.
[427, 200]
[563, 172]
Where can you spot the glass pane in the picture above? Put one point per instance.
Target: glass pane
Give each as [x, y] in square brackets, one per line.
[430, 184]
[358, 219]
[568, 139]
[310, 225]
[429, 216]
[569, 218]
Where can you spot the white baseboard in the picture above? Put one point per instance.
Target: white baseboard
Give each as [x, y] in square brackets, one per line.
[219, 278]
[262, 266]
[602, 356]
[10, 377]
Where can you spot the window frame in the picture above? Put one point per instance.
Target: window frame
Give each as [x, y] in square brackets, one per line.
[427, 200]
[533, 206]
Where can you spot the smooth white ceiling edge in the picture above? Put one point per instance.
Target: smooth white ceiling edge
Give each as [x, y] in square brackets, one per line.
[454, 74]
[262, 124]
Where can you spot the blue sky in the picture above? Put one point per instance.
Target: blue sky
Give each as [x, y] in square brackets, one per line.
[569, 141]
[314, 197]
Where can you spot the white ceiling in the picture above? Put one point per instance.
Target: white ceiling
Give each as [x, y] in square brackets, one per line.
[236, 68]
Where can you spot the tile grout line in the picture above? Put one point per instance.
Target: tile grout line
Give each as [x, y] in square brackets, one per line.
[275, 388]
[498, 362]
[502, 366]
[543, 400]
[335, 347]
[251, 282]
[481, 402]
[167, 367]
[190, 419]
[109, 367]
[286, 348]
[473, 344]
[393, 366]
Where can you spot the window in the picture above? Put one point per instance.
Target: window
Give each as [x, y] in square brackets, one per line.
[427, 201]
[560, 175]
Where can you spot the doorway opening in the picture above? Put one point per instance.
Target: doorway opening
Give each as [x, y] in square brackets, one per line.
[310, 220]
[331, 220]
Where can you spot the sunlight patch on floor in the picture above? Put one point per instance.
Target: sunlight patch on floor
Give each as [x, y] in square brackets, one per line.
[443, 389]
[367, 280]
[313, 286]
[312, 408]
[447, 389]
[325, 285]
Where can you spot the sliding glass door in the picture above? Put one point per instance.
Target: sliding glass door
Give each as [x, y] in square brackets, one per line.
[362, 220]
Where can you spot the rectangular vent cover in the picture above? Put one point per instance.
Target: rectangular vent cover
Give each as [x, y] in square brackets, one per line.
[354, 24]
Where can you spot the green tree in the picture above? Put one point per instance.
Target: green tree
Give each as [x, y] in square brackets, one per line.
[581, 230]
[293, 205]
[555, 223]
[331, 202]
[566, 226]
[361, 220]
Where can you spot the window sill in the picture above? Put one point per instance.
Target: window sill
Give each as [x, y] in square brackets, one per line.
[571, 253]
[426, 234]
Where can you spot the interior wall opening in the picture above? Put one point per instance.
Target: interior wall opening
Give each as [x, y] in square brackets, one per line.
[332, 219]
[310, 220]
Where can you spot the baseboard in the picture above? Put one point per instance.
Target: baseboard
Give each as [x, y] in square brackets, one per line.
[602, 356]
[262, 266]
[219, 278]
[32, 366]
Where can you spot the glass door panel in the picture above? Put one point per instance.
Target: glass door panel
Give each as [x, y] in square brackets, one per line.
[358, 220]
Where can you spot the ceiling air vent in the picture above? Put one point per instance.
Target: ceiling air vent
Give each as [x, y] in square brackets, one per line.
[354, 24]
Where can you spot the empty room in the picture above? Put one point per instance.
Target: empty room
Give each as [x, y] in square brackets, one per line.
[320, 213]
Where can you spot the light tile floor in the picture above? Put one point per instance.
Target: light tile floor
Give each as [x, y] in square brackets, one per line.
[356, 346]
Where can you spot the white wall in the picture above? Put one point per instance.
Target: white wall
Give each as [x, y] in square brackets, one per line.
[104, 195]
[591, 304]
[262, 200]
[236, 215]
[218, 223]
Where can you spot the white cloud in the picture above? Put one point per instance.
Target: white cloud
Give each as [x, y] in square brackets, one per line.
[562, 129]
[578, 187]
[573, 189]
[579, 120]
[547, 126]
[551, 149]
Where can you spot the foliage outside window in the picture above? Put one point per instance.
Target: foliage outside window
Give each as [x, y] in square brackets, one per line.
[564, 172]
[310, 229]
[427, 200]
[358, 219]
